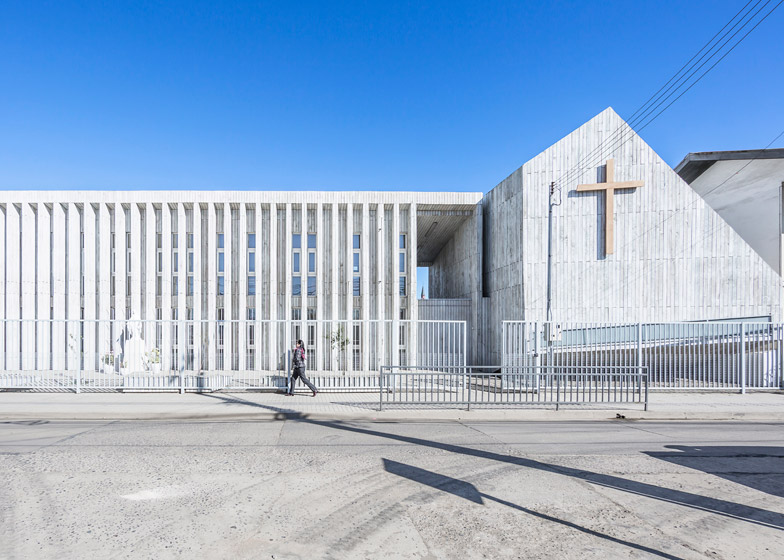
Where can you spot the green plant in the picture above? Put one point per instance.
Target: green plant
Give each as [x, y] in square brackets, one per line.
[338, 339]
[154, 356]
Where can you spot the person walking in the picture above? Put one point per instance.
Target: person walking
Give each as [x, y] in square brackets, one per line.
[298, 367]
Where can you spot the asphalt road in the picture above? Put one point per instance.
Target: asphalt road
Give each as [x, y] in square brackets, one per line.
[343, 490]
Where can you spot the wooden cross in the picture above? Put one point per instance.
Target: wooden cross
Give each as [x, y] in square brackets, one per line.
[609, 187]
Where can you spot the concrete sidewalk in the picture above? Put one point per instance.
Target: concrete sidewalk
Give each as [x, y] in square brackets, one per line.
[759, 407]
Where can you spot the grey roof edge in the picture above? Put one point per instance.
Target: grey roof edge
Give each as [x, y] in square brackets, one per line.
[696, 163]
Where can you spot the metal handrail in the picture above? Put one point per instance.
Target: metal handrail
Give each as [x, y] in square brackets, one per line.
[466, 379]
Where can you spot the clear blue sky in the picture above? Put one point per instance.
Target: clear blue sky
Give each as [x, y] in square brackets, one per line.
[364, 95]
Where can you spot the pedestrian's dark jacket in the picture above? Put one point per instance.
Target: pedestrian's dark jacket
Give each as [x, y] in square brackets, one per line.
[299, 358]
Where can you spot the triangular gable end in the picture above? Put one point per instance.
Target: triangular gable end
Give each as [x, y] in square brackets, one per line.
[674, 257]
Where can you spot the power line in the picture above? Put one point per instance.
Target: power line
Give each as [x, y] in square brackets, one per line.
[628, 126]
[621, 135]
[702, 197]
[699, 198]
[642, 110]
[690, 60]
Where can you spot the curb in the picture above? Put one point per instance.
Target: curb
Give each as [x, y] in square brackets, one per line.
[397, 416]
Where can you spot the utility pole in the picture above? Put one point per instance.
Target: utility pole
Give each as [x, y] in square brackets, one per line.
[549, 331]
[550, 254]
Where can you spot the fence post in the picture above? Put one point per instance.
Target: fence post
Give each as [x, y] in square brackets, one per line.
[639, 355]
[469, 393]
[465, 346]
[78, 380]
[380, 387]
[537, 358]
[504, 359]
[780, 339]
[288, 369]
[743, 358]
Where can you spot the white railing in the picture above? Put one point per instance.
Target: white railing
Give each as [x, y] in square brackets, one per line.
[492, 386]
[187, 355]
[704, 356]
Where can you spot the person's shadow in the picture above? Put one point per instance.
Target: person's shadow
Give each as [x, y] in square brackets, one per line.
[758, 467]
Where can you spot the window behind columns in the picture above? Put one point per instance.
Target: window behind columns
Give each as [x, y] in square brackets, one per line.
[189, 257]
[310, 343]
[312, 264]
[175, 341]
[356, 266]
[175, 257]
[403, 340]
[296, 317]
[251, 264]
[127, 257]
[356, 337]
[189, 339]
[112, 259]
[221, 315]
[251, 327]
[158, 261]
[159, 328]
[296, 256]
[402, 264]
[221, 264]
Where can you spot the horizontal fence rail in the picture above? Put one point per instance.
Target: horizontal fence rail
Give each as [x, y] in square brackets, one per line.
[678, 356]
[190, 355]
[518, 385]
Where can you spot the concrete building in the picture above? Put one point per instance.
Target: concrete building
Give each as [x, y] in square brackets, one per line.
[233, 277]
[649, 250]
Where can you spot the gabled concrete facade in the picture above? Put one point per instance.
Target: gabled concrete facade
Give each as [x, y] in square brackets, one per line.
[675, 258]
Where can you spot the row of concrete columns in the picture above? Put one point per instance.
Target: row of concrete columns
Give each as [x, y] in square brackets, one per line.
[55, 265]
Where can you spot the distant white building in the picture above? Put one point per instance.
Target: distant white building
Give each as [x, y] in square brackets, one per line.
[745, 188]
[242, 274]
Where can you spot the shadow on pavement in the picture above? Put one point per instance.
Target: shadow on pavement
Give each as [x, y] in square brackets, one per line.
[738, 463]
[726, 508]
[281, 413]
[469, 492]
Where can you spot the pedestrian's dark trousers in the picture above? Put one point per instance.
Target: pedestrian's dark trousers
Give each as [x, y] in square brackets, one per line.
[300, 372]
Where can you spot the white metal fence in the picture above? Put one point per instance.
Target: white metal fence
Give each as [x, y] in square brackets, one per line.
[187, 355]
[520, 385]
[704, 356]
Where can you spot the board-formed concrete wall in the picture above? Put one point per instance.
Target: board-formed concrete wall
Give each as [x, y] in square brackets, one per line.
[503, 281]
[675, 258]
[456, 272]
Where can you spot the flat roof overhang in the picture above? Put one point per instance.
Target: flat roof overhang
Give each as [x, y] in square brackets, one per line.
[436, 225]
[696, 163]
[439, 214]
